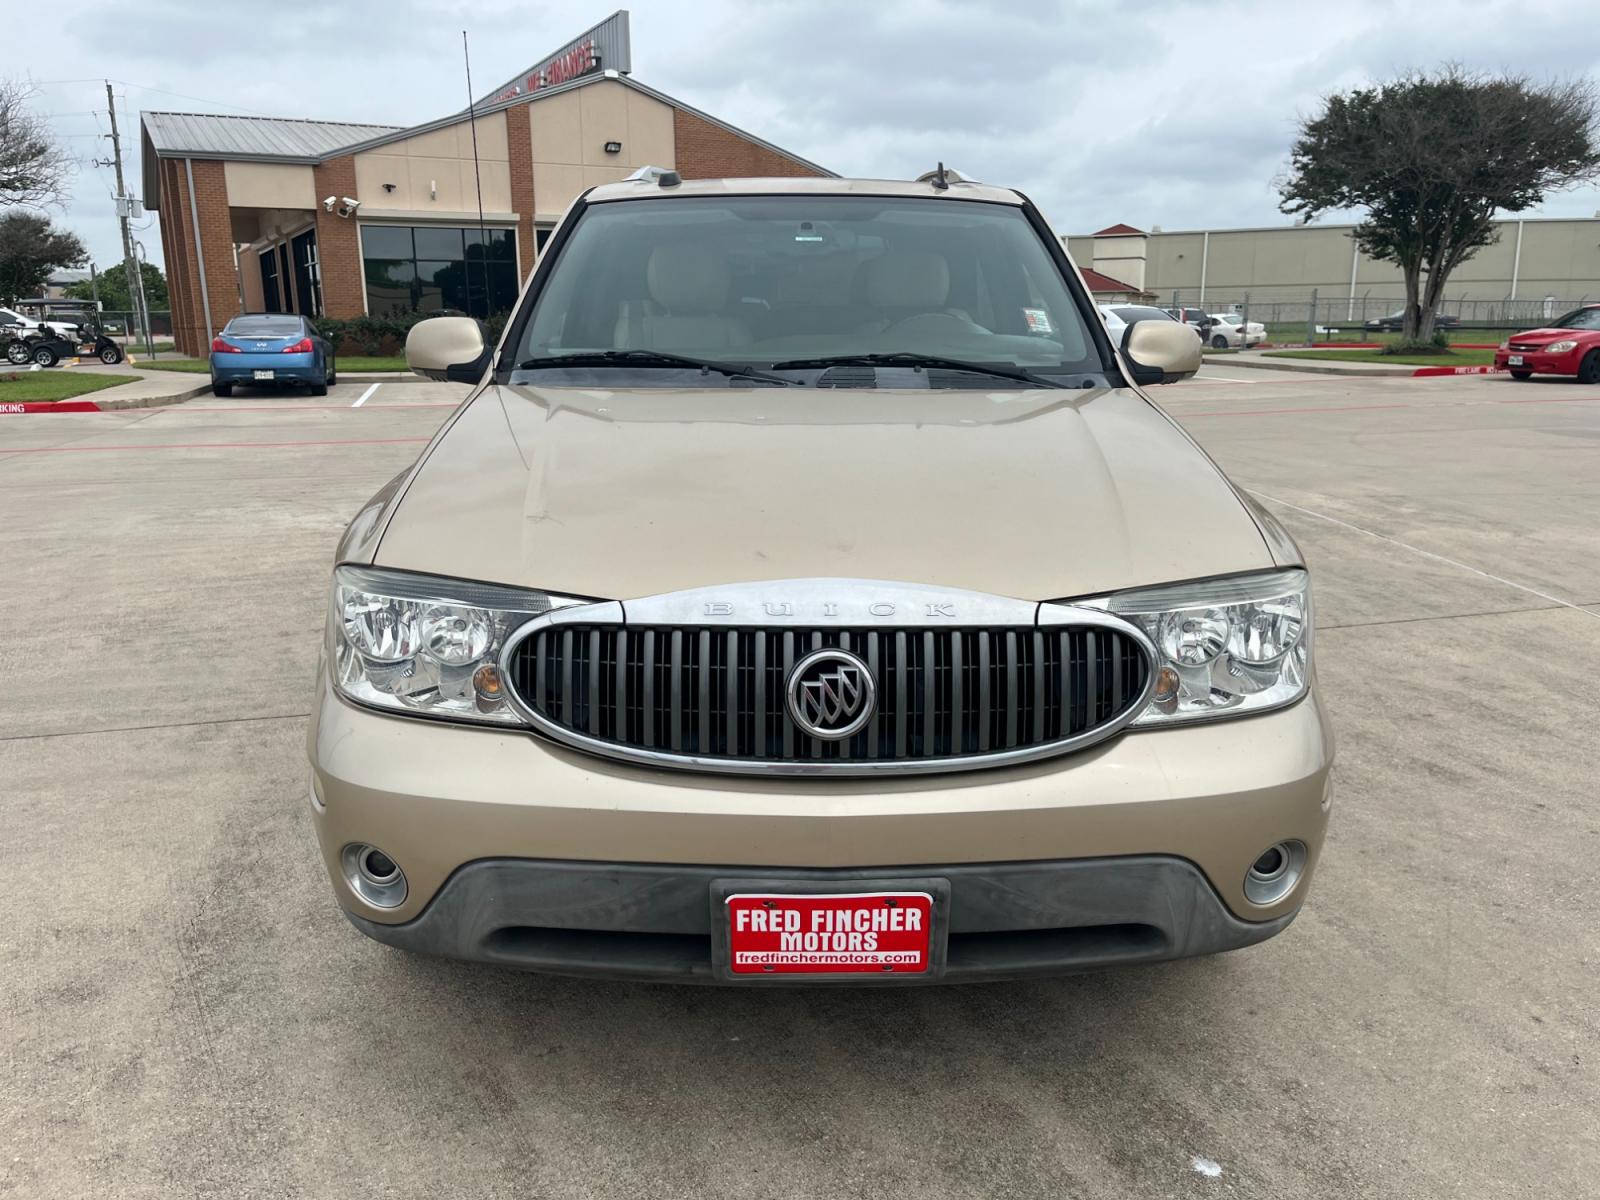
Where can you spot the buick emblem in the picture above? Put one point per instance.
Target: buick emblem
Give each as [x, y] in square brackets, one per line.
[831, 694]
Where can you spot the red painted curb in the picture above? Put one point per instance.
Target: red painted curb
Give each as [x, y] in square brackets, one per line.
[1422, 372]
[44, 406]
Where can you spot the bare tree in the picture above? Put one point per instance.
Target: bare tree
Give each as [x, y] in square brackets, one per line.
[1432, 159]
[33, 167]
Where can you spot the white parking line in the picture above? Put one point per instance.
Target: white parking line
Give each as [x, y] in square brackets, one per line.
[366, 395]
[1229, 379]
[1521, 587]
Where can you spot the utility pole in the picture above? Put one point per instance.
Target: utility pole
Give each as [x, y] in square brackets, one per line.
[124, 213]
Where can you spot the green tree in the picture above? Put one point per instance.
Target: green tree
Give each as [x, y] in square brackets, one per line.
[30, 248]
[1432, 158]
[113, 284]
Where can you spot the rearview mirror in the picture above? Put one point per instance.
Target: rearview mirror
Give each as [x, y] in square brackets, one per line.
[452, 349]
[1161, 351]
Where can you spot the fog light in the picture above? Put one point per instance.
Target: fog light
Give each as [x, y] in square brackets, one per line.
[373, 875]
[1275, 872]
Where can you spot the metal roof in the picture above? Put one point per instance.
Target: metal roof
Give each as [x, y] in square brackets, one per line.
[177, 134]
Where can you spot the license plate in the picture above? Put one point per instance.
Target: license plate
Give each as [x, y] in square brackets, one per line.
[1514, 360]
[878, 933]
[263, 374]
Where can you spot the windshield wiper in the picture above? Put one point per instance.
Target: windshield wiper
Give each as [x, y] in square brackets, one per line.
[649, 358]
[908, 359]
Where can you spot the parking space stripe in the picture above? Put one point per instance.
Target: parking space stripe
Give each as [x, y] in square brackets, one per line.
[215, 445]
[366, 394]
[299, 408]
[1521, 587]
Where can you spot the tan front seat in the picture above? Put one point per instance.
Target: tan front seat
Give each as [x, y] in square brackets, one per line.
[905, 284]
[688, 288]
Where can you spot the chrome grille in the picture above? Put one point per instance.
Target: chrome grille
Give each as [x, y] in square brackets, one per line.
[714, 696]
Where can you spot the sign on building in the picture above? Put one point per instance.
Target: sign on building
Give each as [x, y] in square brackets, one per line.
[606, 47]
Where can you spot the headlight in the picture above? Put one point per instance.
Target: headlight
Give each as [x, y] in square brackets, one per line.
[420, 644]
[1561, 347]
[1226, 646]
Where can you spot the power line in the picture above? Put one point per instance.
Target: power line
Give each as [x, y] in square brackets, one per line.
[141, 87]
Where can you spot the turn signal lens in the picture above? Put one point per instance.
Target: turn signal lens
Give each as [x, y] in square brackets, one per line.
[221, 347]
[303, 346]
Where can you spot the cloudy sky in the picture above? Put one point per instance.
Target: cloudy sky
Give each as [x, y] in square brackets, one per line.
[1153, 112]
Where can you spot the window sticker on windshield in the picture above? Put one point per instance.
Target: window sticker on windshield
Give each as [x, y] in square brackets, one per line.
[1038, 320]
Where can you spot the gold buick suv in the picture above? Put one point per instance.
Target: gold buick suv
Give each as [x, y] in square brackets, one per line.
[763, 616]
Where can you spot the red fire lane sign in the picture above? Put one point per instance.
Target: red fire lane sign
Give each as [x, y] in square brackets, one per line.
[878, 932]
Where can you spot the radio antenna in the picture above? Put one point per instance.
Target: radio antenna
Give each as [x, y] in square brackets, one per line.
[472, 119]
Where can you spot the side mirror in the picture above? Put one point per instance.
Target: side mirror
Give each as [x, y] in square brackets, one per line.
[1161, 351]
[449, 349]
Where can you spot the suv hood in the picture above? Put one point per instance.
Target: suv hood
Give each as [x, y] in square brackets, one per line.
[619, 494]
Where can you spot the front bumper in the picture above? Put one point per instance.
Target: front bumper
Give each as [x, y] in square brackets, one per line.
[285, 368]
[1006, 920]
[1539, 362]
[456, 803]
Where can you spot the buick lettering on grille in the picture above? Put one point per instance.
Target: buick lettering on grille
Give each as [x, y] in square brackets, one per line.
[828, 676]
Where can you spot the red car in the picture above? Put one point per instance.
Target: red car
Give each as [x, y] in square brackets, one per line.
[1570, 346]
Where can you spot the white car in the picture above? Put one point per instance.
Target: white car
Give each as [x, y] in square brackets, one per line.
[10, 316]
[1115, 325]
[1231, 332]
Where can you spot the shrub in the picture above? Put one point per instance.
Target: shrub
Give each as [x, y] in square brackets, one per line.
[383, 335]
[1439, 343]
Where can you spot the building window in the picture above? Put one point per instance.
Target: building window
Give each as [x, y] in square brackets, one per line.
[426, 268]
[269, 281]
[307, 273]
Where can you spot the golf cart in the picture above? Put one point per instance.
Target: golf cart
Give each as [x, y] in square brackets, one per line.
[46, 346]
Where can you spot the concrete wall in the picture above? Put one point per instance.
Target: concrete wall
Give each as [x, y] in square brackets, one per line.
[569, 132]
[1559, 258]
[268, 185]
[1123, 257]
[433, 172]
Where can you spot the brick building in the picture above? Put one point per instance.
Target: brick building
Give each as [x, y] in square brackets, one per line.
[334, 219]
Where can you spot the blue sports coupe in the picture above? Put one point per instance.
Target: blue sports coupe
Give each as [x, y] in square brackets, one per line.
[271, 350]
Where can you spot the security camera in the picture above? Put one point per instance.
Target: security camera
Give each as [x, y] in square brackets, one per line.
[348, 207]
[330, 202]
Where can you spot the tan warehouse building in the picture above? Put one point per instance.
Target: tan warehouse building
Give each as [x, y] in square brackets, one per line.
[1536, 268]
[327, 218]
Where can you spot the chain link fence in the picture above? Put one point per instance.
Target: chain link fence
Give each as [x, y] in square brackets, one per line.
[1310, 318]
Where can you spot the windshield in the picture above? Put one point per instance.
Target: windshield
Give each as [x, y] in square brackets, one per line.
[764, 280]
[1583, 318]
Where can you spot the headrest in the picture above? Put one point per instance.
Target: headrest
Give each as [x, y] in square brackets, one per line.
[908, 279]
[688, 279]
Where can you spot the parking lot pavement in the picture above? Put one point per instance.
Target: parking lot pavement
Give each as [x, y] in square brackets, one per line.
[186, 1013]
